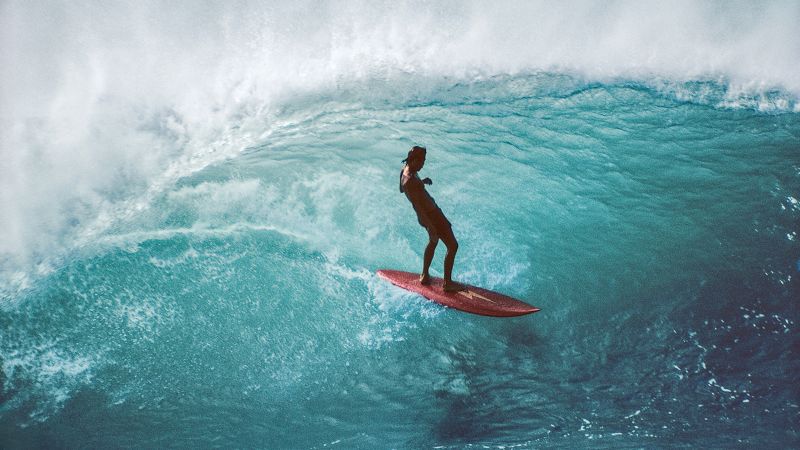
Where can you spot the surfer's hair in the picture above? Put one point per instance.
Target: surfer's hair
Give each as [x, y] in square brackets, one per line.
[415, 153]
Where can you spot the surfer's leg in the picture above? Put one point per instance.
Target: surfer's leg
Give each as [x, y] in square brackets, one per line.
[433, 240]
[449, 259]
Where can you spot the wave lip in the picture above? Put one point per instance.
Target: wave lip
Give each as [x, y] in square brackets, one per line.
[67, 57]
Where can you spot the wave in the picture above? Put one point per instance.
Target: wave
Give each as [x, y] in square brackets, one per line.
[104, 105]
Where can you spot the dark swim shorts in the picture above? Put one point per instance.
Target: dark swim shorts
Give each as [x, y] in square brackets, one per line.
[437, 221]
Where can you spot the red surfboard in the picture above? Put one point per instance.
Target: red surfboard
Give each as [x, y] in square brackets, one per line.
[472, 299]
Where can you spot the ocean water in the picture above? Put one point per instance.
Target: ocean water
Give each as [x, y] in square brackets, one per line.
[195, 198]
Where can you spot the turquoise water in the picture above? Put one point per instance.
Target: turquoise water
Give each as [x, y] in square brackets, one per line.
[210, 281]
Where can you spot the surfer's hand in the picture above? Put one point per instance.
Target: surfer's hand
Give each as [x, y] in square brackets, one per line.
[427, 181]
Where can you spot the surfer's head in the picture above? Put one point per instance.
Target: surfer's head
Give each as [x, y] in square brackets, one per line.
[416, 158]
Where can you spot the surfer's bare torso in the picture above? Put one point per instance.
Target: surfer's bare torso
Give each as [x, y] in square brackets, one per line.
[429, 215]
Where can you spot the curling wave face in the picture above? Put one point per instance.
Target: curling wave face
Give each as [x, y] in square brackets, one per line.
[656, 234]
[104, 105]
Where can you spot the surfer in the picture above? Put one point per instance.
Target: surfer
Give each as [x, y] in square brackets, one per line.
[430, 217]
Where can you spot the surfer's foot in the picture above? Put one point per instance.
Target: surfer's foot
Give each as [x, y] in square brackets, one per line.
[424, 279]
[450, 286]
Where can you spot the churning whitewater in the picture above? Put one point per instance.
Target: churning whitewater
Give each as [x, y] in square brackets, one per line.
[195, 197]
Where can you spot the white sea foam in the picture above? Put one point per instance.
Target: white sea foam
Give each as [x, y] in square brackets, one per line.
[52, 371]
[103, 104]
